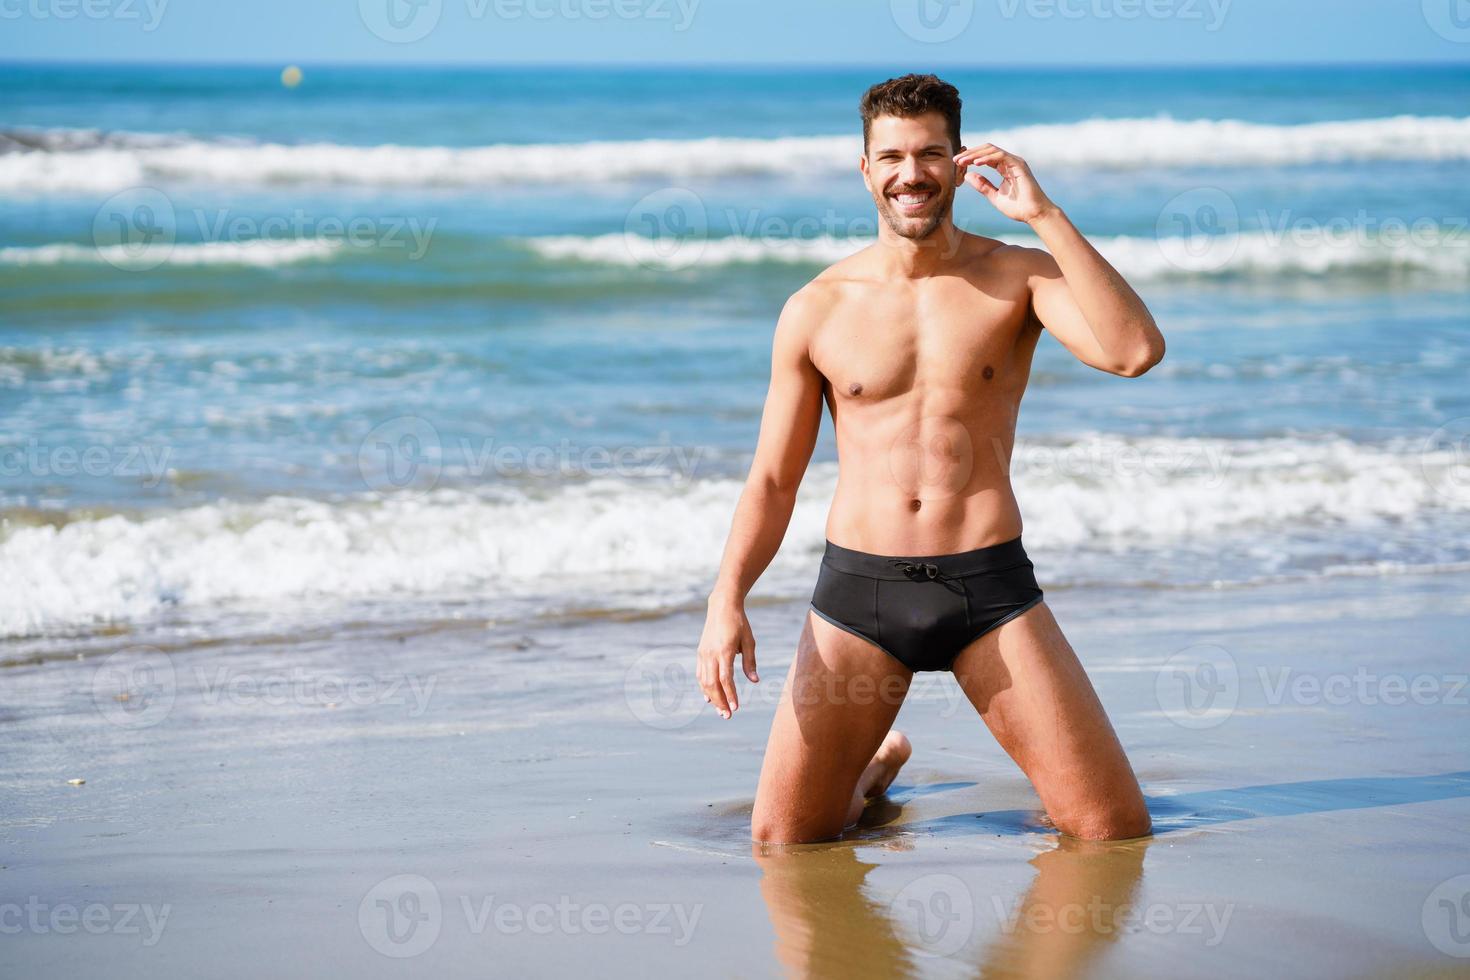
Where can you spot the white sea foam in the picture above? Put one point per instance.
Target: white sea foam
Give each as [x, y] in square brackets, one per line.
[1442, 253]
[1100, 495]
[258, 252]
[110, 161]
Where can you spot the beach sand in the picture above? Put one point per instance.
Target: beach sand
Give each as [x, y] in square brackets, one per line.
[458, 798]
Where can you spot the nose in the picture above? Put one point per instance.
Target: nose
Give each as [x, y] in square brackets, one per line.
[910, 172]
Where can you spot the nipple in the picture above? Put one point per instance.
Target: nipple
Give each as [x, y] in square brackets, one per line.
[856, 388]
[988, 373]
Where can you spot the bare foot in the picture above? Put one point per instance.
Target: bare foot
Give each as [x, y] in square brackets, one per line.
[881, 772]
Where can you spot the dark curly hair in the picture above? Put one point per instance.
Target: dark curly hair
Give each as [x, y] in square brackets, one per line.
[909, 96]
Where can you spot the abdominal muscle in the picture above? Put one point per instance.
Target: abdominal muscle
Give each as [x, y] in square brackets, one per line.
[916, 484]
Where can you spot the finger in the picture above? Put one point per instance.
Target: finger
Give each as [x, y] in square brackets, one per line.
[998, 164]
[747, 656]
[982, 184]
[978, 148]
[727, 684]
[987, 149]
[985, 157]
[714, 693]
[708, 677]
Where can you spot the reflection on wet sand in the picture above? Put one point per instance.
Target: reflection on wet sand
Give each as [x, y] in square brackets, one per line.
[830, 921]
[1078, 904]
[828, 924]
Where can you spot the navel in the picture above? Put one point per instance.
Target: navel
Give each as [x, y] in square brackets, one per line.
[856, 388]
[988, 373]
[915, 504]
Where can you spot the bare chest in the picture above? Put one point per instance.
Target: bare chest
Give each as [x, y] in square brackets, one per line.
[874, 348]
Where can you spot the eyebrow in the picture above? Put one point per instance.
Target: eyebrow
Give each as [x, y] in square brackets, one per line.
[894, 149]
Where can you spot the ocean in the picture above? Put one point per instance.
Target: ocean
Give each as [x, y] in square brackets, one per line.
[433, 345]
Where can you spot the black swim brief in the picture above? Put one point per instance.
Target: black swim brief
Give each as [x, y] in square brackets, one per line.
[924, 610]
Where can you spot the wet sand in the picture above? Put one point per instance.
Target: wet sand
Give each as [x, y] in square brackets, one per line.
[466, 800]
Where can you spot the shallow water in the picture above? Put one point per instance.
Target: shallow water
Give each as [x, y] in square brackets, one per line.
[361, 343]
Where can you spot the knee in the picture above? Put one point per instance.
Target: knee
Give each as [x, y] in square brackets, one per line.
[778, 829]
[1110, 822]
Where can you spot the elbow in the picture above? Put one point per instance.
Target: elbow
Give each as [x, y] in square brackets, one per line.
[1140, 362]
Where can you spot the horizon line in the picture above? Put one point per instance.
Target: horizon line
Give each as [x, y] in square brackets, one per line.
[730, 65]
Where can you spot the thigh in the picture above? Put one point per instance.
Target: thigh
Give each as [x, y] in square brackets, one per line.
[841, 696]
[1028, 685]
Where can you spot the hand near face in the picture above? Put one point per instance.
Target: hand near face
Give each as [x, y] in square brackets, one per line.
[1018, 196]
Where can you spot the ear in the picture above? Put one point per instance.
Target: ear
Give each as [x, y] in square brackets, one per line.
[863, 169]
[959, 172]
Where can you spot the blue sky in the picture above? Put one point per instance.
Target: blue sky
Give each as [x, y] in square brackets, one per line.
[941, 32]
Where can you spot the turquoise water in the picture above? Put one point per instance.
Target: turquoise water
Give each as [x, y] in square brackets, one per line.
[427, 334]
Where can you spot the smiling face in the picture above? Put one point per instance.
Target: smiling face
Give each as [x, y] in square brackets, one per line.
[909, 169]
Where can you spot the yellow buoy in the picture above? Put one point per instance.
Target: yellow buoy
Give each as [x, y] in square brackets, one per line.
[291, 76]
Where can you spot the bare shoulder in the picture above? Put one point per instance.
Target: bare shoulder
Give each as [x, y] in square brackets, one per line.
[1019, 260]
[801, 317]
[845, 274]
[806, 308]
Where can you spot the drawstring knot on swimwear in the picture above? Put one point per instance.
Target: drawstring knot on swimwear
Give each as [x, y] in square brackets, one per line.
[913, 568]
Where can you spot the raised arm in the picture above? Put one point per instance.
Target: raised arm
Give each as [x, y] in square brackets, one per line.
[789, 424]
[1075, 293]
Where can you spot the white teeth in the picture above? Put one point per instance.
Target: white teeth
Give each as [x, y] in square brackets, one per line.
[911, 199]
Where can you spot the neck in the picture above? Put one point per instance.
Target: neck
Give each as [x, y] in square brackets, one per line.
[915, 258]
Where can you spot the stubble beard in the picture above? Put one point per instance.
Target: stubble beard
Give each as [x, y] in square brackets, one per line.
[916, 229]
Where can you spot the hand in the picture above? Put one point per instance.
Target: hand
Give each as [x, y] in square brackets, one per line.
[726, 632]
[1018, 197]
